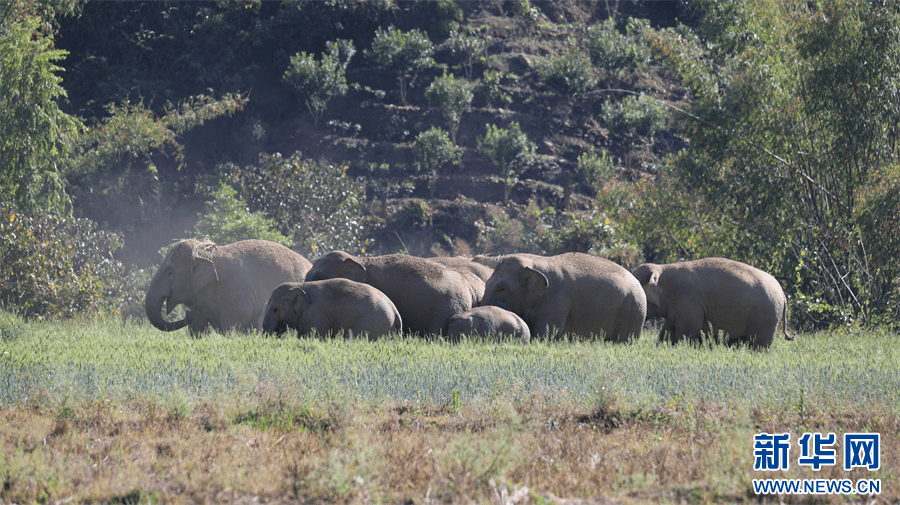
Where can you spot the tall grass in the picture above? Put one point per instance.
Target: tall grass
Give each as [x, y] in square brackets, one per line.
[71, 360]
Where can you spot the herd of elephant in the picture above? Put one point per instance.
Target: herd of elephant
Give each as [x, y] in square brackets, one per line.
[260, 285]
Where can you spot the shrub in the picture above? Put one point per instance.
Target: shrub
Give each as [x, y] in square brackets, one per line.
[569, 74]
[639, 115]
[596, 169]
[318, 206]
[467, 47]
[55, 267]
[432, 150]
[510, 150]
[612, 51]
[404, 54]
[317, 82]
[228, 220]
[453, 96]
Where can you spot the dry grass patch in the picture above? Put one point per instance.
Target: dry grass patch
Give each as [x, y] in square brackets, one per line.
[143, 451]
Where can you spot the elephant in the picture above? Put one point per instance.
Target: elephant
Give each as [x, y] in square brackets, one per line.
[475, 274]
[718, 293]
[329, 306]
[426, 293]
[572, 293]
[225, 287]
[463, 264]
[488, 321]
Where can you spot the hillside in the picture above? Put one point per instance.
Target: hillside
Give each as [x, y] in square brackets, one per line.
[373, 134]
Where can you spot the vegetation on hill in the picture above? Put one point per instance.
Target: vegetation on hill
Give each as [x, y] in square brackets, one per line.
[762, 131]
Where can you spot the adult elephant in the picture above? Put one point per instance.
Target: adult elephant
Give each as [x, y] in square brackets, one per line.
[330, 306]
[570, 293]
[715, 294]
[224, 287]
[488, 321]
[475, 274]
[426, 293]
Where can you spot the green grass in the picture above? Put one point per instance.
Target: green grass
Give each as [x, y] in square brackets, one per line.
[72, 360]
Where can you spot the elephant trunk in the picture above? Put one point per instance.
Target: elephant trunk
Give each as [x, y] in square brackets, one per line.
[272, 324]
[153, 307]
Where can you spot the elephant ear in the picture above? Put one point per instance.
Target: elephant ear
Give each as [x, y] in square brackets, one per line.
[354, 270]
[532, 279]
[301, 300]
[653, 290]
[203, 273]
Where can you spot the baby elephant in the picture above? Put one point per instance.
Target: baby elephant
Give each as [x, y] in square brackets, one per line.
[488, 321]
[329, 306]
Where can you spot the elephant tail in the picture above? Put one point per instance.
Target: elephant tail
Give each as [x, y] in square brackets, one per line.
[784, 322]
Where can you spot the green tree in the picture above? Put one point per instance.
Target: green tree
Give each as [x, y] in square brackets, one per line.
[433, 149]
[318, 206]
[795, 149]
[317, 82]
[228, 221]
[35, 135]
[467, 46]
[404, 54]
[453, 96]
[511, 152]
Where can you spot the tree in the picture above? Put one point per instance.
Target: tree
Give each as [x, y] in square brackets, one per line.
[453, 96]
[228, 221]
[569, 74]
[793, 148]
[35, 135]
[404, 54]
[432, 150]
[317, 82]
[511, 152]
[318, 206]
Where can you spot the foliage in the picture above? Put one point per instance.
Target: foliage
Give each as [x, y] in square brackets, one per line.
[453, 96]
[612, 51]
[434, 149]
[404, 54]
[491, 86]
[800, 104]
[439, 17]
[596, 168]
[635, 115]
[509, 150]
[569, 74]
[228, 221]
[35, 134]
[317, 82]
[57, 267]
[132, 133]
[467, 46]
[319, 207]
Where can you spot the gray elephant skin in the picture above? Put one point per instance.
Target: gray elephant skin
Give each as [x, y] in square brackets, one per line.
[426, 293]
[571, 293]
[715, 294]
[329, 306]
[475, 274]
[223, 287]
[488, 321]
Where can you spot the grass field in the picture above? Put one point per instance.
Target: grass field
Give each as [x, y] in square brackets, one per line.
[111, 412]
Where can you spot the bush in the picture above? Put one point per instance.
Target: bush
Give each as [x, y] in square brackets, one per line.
[404, 54]
[432, 150]
[611, 51]
[510, 150]
[228, 221]
[467, 47]
[570, 74]
[317, 82]
[454, 96]
[54, 267]
[318, 206]
[639, 115]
